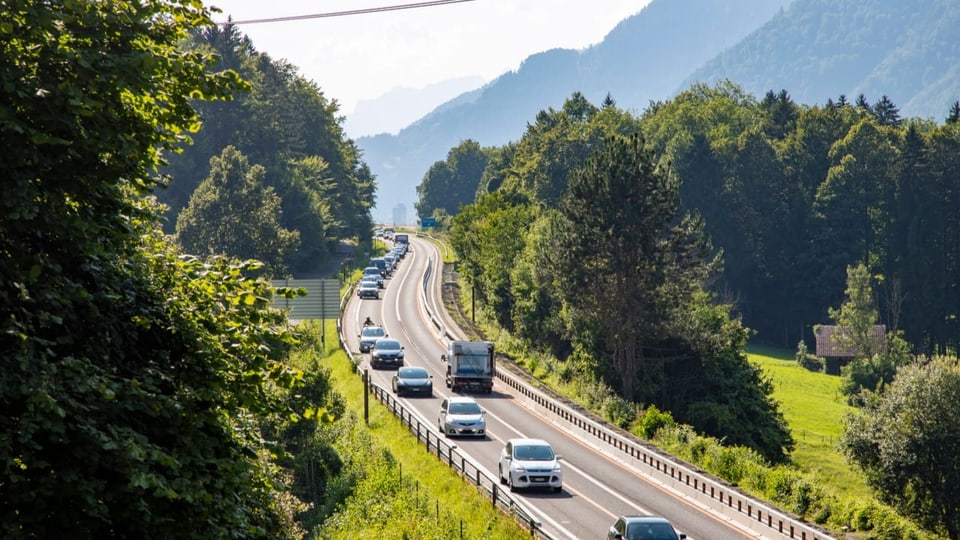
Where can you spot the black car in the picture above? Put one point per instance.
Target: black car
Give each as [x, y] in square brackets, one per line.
[643, 528]
[386, 351]
[412, 380]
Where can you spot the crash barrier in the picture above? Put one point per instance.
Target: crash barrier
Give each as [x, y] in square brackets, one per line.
[436, 444]
[447, 452]
[720, 497]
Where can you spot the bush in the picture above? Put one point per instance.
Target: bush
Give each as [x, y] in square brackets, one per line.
[652, 420]
[619, 411]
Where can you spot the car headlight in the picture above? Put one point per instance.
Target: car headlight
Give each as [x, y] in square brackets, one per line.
[519, 468]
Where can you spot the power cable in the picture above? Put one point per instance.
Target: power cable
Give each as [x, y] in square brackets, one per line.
[345, 13]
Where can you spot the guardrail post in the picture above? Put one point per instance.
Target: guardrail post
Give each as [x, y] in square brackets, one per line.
[366, 397]
[493, 493]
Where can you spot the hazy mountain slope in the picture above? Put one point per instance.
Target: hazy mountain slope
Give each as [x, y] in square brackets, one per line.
[403, 106]
[820, 49]
[643, 58]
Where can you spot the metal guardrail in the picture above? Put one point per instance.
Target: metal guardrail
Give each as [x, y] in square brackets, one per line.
[435, 443]
[448, 453]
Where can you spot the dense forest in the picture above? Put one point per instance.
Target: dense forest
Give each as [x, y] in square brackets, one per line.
[790, 195]
[148, 391]
[787, 196]
[270, 175]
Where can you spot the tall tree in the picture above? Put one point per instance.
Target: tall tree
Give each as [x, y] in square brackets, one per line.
[905, 442]
[617, 251]
[232, 213]
[453, 182]
[130, 375]
[858, 313]
[886, 113]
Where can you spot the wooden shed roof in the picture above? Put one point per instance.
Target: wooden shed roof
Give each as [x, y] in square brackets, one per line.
[827, 347]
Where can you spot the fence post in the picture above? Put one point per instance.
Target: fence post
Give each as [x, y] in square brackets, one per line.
[366, 397]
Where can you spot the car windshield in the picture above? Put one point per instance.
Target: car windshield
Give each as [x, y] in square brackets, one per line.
[468, 407]
[412, 373]
[650, 531]
[533, 452]
[373, 331]
[388, 345]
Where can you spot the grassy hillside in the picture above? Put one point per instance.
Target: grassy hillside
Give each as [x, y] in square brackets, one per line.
[814, 409]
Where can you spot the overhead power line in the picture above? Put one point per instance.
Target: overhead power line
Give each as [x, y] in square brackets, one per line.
[345, 13]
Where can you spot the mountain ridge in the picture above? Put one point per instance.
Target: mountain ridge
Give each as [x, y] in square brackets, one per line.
[814, 49]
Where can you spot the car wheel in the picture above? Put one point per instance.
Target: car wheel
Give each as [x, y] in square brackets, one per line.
[558, 489]
[513, 488]
[502, 479]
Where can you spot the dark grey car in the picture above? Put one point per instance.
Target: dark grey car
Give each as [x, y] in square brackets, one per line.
[386, 352]
[643, 528]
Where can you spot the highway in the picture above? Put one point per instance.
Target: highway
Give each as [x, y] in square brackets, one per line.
[598, 486]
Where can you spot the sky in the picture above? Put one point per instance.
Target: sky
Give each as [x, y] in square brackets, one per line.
[356, 58]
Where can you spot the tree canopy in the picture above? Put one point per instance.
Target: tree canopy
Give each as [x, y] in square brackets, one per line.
[580, 244]
[905, 441]
[285, 126]
[133, 377]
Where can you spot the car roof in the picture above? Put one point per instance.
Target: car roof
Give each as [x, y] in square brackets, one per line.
[644, 519]
[461, 399]
[530, 442]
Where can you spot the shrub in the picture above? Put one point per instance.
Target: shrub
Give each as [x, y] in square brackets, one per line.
[619, 411]
[652, 420]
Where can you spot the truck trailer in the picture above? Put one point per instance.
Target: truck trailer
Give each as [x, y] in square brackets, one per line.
[471, 366]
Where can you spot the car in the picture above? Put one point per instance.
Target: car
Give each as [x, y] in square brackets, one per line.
[643, 528]
[368, 289]
[380, 263]
[376, 280]
[386, 351]
[412, 380]
[461, 416]
[530, 463]
[369, 335]
[373, 271]
[391, 258]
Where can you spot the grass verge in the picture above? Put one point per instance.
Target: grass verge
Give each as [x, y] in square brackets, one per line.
[431, 502]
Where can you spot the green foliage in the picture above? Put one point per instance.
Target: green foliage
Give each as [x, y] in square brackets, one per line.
[286, 125]
[902, 441]
[233, 213]
[652, 420]
[135, 380]
[857, 315]
[451, 183]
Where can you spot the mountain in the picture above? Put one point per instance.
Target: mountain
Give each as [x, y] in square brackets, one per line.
[400, 107]
[645, 57]
[820, 49]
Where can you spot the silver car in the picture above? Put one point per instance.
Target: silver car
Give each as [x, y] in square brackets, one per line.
[462, 416]
[530, 463]
[369, 335]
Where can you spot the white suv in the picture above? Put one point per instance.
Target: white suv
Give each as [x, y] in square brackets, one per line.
[530, 463]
